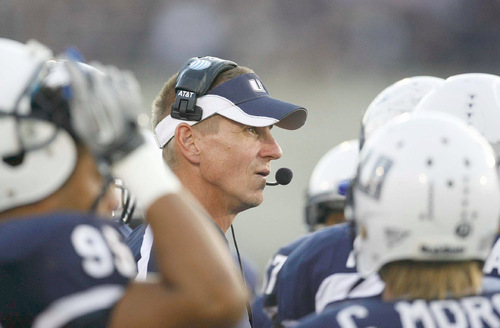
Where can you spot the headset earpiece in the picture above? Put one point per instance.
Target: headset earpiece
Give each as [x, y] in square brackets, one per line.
[194, 80]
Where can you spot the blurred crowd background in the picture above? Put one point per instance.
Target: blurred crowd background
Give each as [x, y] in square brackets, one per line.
[330, 56]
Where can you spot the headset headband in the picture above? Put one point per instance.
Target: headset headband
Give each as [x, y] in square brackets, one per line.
[193, 80]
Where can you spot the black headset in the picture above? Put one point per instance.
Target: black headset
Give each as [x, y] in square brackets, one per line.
[194, 80]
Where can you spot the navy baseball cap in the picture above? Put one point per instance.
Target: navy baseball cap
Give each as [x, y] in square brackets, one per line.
[243, 99]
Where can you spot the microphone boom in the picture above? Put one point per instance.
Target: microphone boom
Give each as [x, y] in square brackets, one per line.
[283, 177]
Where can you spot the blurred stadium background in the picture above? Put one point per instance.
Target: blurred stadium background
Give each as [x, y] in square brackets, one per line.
[331, 56]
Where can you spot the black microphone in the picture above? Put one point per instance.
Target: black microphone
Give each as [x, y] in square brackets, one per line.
[283, 177]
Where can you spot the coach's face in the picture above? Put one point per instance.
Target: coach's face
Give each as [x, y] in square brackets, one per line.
[236, 161]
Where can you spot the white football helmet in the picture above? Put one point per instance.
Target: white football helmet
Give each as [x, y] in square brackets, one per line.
[473, 97]
[37, 157]
[427, 190]
[46, 107]
[329, 182]
[398, 98]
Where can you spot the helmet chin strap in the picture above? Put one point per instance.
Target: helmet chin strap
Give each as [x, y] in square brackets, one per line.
[108, 180]
[127, 201]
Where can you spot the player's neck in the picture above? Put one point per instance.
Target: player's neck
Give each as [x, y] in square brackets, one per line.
[45, 206]
[389, 296]
[77, 193]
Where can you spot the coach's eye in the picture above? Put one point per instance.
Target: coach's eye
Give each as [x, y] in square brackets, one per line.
[252, 129]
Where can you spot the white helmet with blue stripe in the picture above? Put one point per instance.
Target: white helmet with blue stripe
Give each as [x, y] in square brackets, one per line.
[329, 182]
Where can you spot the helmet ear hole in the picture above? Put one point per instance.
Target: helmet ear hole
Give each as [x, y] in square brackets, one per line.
[14, 160]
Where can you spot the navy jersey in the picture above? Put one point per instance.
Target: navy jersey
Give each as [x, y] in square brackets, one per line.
[491, 269]
[320, 271]
[265, 305]
[60, 269]
[480, 311]
[492, 265]
[140, 242]
[260, 318]
[125, 230]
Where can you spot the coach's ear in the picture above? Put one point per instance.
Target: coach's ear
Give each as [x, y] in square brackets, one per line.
[186, 143]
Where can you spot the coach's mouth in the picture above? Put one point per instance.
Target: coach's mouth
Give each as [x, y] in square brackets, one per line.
[264, 173]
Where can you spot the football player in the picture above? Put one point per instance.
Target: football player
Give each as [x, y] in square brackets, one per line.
[64, 135]
[322, 269]
[426, 207]
[474, 98]
[325, 207]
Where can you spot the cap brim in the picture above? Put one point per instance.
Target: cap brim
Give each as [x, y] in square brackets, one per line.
[265, 111]
[248, 94]
[288, 116]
